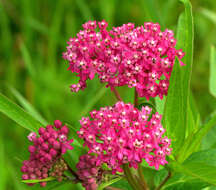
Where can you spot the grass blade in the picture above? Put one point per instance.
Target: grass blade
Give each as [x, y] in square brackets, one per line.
[27, 59]
[27, 106]
[17, 114]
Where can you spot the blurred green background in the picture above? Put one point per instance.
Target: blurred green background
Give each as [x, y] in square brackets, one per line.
[33, 35]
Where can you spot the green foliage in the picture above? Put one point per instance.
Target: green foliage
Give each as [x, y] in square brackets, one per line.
[194, 141]
[174, 112]
[17, 114]
[110, 182]
[176, 108]
[38, 180]
[200, 165]
[26, 105]
[212, 76]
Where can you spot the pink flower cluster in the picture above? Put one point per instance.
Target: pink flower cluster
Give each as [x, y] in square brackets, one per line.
[122, 134]
[89, 173]
[140, 57]
[46, 150]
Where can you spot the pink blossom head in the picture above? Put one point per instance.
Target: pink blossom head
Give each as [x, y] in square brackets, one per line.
[123, 134]
[140, 57]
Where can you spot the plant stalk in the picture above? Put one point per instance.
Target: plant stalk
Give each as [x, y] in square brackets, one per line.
[164, 181]
[117, 95]
[142, 178]
[136, 98]
[130, 178]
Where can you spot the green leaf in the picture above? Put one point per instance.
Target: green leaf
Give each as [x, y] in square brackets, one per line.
[209, 141]
[190, 123]
[185, 40]
[26, 105]
[38, 180]
[174, 112]
[73, 134]
[200, 165]
[106, 184]
[193, 142]
[17, 114]
[183, 182]
[212, 76]
[122, 184]
[160, 104]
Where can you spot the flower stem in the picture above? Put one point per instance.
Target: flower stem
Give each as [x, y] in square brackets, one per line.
[164, 181]
[136, 98]
[117, 95]
[112, 188]
[130, 177]
[141, 177]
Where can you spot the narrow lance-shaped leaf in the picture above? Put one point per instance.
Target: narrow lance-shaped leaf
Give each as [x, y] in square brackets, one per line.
[173, 117]
[27, 60]
[26, 105]
[212, 78]
[38, 180]
[185, 39]
[17, 114]
[175, 113]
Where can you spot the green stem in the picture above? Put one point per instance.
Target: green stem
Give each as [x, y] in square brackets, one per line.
[130, 178]
[142, 178]
[164, 181]
[117, 95]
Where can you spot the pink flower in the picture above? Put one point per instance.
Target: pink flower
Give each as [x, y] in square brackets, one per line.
[123, 134]
[46, 151]
[140, 57]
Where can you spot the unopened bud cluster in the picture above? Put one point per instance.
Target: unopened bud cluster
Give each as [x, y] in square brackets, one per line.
[140, 57]
[58, 170]
[123, 134]
[46, 151]
[89, 172]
